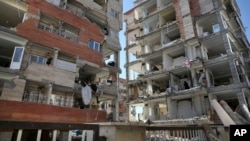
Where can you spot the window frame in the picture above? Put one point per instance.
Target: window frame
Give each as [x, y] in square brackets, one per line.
[114, 14]
[39, 59]
[94, 45]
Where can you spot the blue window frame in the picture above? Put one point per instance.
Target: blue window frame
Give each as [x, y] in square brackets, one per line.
[94, 45]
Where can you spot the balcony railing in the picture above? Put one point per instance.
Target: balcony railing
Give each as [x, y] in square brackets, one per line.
[63, 32]
[38, 97]
[171, 132]
[77, 11]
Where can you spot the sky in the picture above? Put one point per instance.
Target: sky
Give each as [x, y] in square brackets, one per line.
[244, 6]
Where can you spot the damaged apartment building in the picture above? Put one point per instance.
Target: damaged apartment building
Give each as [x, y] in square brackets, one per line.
[181, 54]
[58, 58]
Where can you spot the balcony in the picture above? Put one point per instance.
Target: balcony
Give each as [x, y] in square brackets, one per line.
[40, 72]
[32, 112]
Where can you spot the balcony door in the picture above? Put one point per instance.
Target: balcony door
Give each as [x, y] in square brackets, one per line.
[17, 58]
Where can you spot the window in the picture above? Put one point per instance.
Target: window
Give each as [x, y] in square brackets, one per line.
[18, 54]
[113, 33]
[37, 59]
[94, 45]
[114, 13]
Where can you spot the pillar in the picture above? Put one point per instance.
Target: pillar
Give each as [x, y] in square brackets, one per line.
[146, 49]
[6, 135]
[115, 109]
[83, 135]
[49, 91]
[150, 111]
[39, 133]
[204, 53]
[169, 108]
[189, 53]
[171, 84]
[194, 77]
[241, 98]
[55, 57]
[245, 75]
[19, 135]
[149, 87]
[167, 61]
[147, 66]
[145, 111]
[90, 134]
[172, 109]
[70, 135]
[65, 135]
[54, 135]
[208, 79]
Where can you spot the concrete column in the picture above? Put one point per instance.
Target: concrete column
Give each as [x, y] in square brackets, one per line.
[149, 87]
[90, 134]
[39, 133]
[234, 71]
[241, 98]
[19, 135]
[147, 49]
[145, 112]
[49, 92]
[115, 109]
[150, 111]
[171, 80]
[194, 53]
[229, 50]
[172, 108]
[83, 135]
[6, 135]
[204, 52]
[169, 109]
[65, 136]
[198, 105]
[167, 61]
[189, 52]
[245, 75]
[208, 79]
[55, 58]
[117, 99]
[147, 65]
[70, 135]
[194, 77]
[54, 135]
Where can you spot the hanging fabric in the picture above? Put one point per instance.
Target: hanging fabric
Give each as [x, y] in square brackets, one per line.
[86, 94]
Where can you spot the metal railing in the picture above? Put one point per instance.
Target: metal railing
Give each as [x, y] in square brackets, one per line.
[38, 97]
[175, 133]
[52, 131]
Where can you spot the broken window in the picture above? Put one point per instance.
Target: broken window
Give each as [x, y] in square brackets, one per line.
[37, 59]
[114, 13]
[94, 45]
[100, 2]
[76, 8]
[49, 24]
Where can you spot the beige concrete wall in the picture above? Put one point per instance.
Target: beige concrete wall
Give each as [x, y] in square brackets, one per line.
[91, 4]
[109, 132]
[13, 90]
[130, 133]
[206, 6]
[123, 133]
[116, 6]
[38, 72]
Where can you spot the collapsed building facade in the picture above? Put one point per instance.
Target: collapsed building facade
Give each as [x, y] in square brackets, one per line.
[180, 55]
[58, 57]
